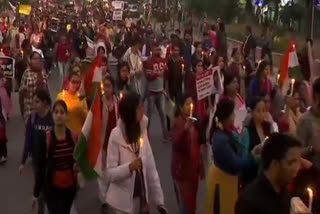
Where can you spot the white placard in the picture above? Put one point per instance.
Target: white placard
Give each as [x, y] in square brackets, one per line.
[117, 15]
[118, 5]
[204, 84]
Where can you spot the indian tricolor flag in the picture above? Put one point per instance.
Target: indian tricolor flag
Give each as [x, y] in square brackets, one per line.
[290, 67]
[88, 151]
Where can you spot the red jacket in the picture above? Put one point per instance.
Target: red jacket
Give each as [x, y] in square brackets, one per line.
[63, 52]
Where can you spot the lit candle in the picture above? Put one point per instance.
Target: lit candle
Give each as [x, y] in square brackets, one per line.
[140, 142]
[150, 53]
[121, 95]
[310, 198]
[191, 109]
[63, 94]
[292, 86]
[278, 77]
[102, 88]
[201, 54]
[182, 67]
[22, 53]
[1, 50]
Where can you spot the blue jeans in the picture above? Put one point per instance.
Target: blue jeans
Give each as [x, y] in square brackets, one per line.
[158, 100]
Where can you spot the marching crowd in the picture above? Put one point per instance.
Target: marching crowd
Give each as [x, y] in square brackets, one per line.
[253, 141]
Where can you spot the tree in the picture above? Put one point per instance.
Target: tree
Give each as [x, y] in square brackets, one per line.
[226, 9]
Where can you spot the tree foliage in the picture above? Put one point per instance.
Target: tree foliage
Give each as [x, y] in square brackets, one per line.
[226, 9]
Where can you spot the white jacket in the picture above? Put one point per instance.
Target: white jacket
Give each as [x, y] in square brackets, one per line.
[119, 156]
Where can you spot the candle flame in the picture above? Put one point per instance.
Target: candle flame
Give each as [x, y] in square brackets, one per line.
[191, 109]
[310, 192]
[121, 95]
[102, 88]
[63, 94]
[182, 66]
[292, 81]
[141, 142]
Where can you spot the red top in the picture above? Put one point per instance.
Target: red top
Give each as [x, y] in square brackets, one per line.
[6, 50]
[155, 67]
[112, 123]
[63, 52]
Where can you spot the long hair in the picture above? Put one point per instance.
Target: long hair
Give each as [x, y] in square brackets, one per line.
[128, 113]
[225, 108]
[261, 67]
[197, 124]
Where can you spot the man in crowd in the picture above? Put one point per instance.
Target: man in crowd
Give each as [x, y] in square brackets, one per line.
[156, 69]
[308, 128]
[268, 194]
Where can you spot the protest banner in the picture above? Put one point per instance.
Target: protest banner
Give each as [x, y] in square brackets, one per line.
[117, 15]
[25, 9]
[118, 5]
[7, 65]
[204, 84]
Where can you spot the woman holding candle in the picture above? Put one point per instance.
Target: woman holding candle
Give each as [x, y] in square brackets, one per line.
[109, 121]
[289, 119]
[187, 143]
[229, 162]
[133, 176]
[77, 108]
[258, 129]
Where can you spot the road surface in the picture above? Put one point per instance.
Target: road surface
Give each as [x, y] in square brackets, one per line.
[16, 190]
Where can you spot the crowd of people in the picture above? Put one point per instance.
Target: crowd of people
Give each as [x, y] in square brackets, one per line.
[255, 146]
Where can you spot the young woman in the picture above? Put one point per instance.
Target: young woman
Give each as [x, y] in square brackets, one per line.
[261, 84]
[38, 124]
[229, 162]
[110, 118]
[231, 91]
[77, 108]
[63, 53]
[33, 79]
[123, 77]
[235, 65]
[187, 143]
[61, 177]
[130, 163]
[289, 119]
[258, 127]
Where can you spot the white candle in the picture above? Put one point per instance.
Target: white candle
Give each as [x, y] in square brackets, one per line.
[191, 109]
[310, 198]
[182, 67]
[121, 95]
[292, 86]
